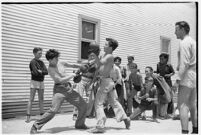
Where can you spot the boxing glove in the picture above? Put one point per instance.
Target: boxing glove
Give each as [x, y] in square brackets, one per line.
[84, 68]
[77, 78]
[92, 68]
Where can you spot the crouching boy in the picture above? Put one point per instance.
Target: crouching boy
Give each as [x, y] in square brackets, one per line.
[148, 98]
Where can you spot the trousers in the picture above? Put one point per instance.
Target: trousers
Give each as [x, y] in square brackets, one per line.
[62, 93]
[105, 92]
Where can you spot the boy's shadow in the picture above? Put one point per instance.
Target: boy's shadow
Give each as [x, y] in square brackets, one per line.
[59, 129]
[114, 128]
[72, 128]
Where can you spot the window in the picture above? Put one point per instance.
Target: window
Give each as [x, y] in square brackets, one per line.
[165, 46]
[89, 31]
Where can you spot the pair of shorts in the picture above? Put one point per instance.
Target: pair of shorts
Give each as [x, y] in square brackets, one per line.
[36, 84]
[189, 79]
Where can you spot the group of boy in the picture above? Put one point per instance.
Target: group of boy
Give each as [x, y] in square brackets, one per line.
[108, 82]
[138, 96]
[63, 91]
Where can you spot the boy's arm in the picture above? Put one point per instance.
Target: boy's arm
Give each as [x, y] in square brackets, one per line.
[58, 79]
[107, 59]
[184, 61]
[157, 68]
[123, 72]
[130, 82]
[34, 70]
[155, 94]
[171, 70]
[141, 82]
[66, 64]
[44, 70]
[119, 80]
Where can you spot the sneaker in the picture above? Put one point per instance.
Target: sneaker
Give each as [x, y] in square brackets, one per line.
[28, 118]
[161, 117]
[90, 117]
[127, 123]
[167, 116]
[176, 117]
[74, 117]
[97, 130]
[155, 120]
[33, 130]
[81, 127]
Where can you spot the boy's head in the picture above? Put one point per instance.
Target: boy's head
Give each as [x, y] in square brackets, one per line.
[117, 61]
[94, 51]
[52, 56]
[133, 68]
[130, 58]
[148, 71]
[37, 51]
[182, 28]
[164, 58]
[110, 44]
[149, 82]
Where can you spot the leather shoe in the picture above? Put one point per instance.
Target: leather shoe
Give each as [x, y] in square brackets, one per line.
[155, 120]
[127, 123]
[33, 130]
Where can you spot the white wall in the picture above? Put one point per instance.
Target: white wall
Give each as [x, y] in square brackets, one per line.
[136, 26]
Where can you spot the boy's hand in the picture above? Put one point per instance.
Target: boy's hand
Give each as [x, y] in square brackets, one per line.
[149, 99]
[128, 93]
[168, 75]
[91, 62]
[40, 71]
[176, 85]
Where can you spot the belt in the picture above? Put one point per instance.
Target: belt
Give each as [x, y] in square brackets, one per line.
[63, 84]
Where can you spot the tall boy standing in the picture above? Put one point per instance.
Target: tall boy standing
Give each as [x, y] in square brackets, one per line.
[38, 72]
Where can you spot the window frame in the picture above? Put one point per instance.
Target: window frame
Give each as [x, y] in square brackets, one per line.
[169, 47]
[97, 32]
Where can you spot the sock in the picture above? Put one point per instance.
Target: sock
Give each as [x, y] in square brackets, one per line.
[184, 131]
[195, 130]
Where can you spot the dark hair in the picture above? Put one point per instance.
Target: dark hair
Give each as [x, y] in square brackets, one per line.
[151, 69]
[132, 57]
[183, 24]
[117, 58]
[112, 43]
[52, 53]
[164, 55]
[134, 65]
[36, 49]
[94, 48]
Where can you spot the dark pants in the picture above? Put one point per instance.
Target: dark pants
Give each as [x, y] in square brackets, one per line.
[120, 94]
[142, 108]
[170, 107]
[62, 93]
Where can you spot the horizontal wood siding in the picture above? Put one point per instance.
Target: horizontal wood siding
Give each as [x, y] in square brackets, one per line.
[136, 26]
